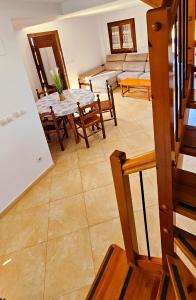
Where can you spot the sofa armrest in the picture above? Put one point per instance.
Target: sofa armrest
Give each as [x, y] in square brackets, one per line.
[84, 77]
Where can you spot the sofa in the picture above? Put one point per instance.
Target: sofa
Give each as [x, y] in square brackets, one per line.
[117, 67]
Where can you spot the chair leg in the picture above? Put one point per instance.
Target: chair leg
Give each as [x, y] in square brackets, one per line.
[48, 137]
[60, 140]
[65, 127]
[85, 137]
[93, 128]
[111, 113]
[115, 119]
[103, 129]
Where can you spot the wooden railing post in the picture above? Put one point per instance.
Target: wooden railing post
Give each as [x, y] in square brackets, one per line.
[124, 200]
[160, 53]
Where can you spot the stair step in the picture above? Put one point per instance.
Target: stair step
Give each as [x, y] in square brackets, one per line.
[143, 285]
[187, 244]
[185, 193]
[182, 280]
[165, 291]
[189, 140]
[192, 104]
[111, 275]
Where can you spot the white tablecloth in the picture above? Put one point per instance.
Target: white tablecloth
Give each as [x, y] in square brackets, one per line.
[69, 105]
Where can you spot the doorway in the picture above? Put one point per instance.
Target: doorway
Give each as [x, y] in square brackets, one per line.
[47, 54]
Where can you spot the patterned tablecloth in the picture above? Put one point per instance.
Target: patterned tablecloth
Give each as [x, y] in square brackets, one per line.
[69, 105]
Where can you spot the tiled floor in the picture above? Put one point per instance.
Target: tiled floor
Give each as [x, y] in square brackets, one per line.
[53, 241]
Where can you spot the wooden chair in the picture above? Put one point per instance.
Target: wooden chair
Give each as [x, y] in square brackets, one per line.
[108, 105]
[52, 125]
[45, 92]
[89, 116]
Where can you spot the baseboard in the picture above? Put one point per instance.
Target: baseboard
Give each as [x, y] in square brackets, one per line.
[13, 203]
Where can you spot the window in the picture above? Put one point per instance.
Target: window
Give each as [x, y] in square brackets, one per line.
[122, 36]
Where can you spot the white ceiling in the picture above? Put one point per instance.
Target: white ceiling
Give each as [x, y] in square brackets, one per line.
[40, 1]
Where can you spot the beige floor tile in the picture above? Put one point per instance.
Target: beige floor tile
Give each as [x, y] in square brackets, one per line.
[23, 229]
[92, 155]
[65, 162]
[110, 147]
[66, 215]
[141, 142]
[153, 230]
[76, 295]
[96, 175]
[69, 264]
[101, 205]
[37, 195]
[66, 185]
[150, 193]
[102, 236]
[22, 274]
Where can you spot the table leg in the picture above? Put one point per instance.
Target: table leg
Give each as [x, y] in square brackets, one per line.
[73, 127]
[122, 90]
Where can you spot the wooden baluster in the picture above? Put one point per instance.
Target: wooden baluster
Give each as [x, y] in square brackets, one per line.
[124, 200]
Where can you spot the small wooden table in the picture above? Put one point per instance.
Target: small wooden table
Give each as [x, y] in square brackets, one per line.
[135, 83]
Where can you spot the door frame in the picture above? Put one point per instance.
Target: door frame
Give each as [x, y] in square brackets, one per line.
[57, 40]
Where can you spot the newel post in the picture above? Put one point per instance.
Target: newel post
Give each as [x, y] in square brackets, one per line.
[124, 200]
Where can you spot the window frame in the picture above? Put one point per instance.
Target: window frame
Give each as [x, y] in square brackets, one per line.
[120, 23]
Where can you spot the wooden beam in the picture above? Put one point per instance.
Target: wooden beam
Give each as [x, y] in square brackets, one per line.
[160, 53]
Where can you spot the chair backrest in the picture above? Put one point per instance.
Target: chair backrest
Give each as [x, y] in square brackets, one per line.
[49, 116]
[89, 110]
[45, 92]
[110, 93]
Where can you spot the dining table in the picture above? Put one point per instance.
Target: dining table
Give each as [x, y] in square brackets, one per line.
[68, 106]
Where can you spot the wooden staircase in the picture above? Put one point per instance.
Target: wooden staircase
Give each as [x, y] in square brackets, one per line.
[125, 274]
[118, 280]
[134, 276]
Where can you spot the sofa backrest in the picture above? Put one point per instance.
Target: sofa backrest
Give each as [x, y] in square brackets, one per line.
[135, 62]
[134, 66]
[114, 66]
[136, 57]
[116, 57]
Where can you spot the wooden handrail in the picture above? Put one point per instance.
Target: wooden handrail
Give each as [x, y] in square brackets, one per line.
[139, 163]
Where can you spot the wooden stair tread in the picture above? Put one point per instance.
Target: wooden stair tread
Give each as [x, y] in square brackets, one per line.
[143, 285]
[183, 209]
[187, 243]
[111, 275]
[189, 140]
[185, 193]
[165, 291]
[182, 280]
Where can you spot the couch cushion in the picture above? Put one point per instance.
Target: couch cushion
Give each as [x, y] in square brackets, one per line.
[147, 67]
[116, 57]
[99, 81]
[84, 77]
[114, 65]
[136, 57]
[137, 66]
[125, 75]
[145, 75]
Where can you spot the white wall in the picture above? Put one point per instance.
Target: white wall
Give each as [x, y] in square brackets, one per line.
[80, 44]
[84, 41]
[22, 140]
[139, 13]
